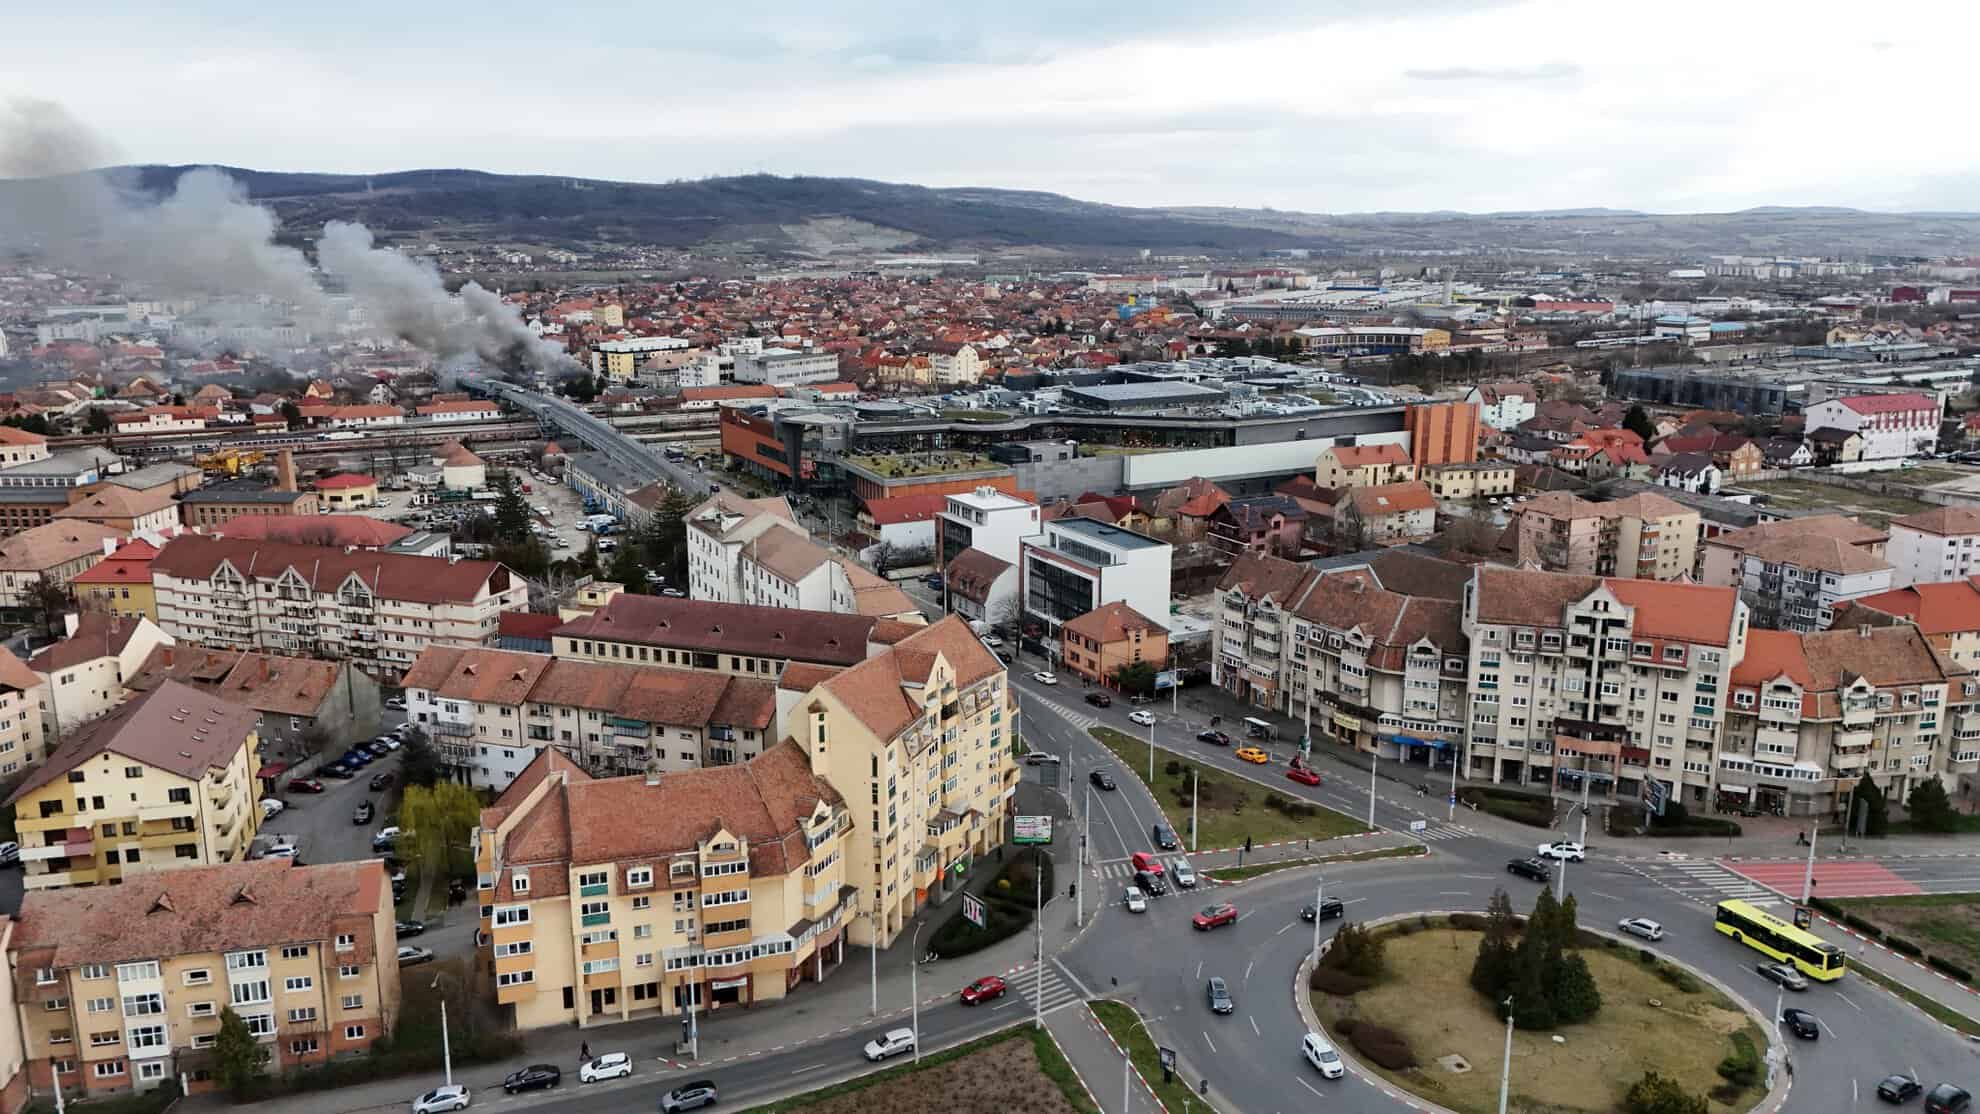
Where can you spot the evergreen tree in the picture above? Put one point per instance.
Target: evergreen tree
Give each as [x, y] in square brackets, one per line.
[1637, 421]
[511, 510]
[1492, 970]
[666, 538]
[239, 1060]
[1869, 812]
[626, 567]
[1931, 809]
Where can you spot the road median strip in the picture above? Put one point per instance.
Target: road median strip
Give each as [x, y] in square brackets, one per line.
[1238, 875]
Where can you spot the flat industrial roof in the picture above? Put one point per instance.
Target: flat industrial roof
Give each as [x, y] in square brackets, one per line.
[1116, 536]
[1144, 392]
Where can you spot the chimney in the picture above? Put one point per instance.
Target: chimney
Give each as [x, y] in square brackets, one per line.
[285, 470]
[70, 620]
[1863, 631]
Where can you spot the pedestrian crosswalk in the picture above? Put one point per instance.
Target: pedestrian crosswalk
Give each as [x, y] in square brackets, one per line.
[1081, 720]
[1058, 991]
[1124, 868]
[1438, 832]
[1707, 881]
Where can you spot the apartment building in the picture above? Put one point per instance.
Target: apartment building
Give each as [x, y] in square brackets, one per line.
[1897, 425]
[119, 584]
[1645, 536]
[787, 367]
[166, 781]
[1935, 545]
[1796, 582]
[121, 987]
[981, 587]
[743, 551]
[986, 519]
[1503, 406]
[614, 899]
[300, 701]
[1947, 613]
[21, 739]
[51, 554]
[1363, 466]
[1441, 432]
[734, 638]
[1099, 643]
[374, 608]
[1478, 479]
[1076, 565]
[1608, 680]
[718, 530]
[83, 675]
[1384, 515]
[1811, 713]
[926, 727]
[490, 711]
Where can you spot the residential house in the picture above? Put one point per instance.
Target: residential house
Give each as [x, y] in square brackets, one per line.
[1363, 466]
[18, 446]
[21, 742]
[49, 555]
[1187, 507]
[1097, 644]
[1835, 446]
[1480, 479]
[83, 675]
[123, 510]
[1689, 472]
[1504, 406]
[981, 588]
[1383, 515]
[303, 703]
[1273, 524]
[166, 781]
[119, 584]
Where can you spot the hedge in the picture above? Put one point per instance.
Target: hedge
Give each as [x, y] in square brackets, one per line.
[1863, 926]
[1006, 911]
[1523, 808]
[1332, 980]
[1950, 968]
[1380, 1044]
[1903, 946]
[1826, 907]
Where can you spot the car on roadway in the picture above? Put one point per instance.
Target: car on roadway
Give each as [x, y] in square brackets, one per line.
[270, 807]
[363, 813]
[688, 1096]
[1184, 874]
[1783, 974]
[612, 1065]
[1045, 677]
[1134, 901]
[381, 779]
[1898, 1088]
[284, 847]
[305, 785]
[440, 1100]
[339, 771]
[1328, 909]
[1305, 775]
[409, 928]
[1947, 1099]
[396, 703]
[1164, 838]
[1219, 996]
[1801, 1023]
[1564, 849]
[1040, 758]
[1215, 738]
[1253, 755]
[1101, 779]
[1642, 926]
[1530, 868]
[410, 955]
[1143, 860]
[984, 989]
[891, 1043]
[1099, 700]
[1322, 1056]
[1215, 916]
[533, 1077]
[388, 834]
[1150, 884]
[1142, 716]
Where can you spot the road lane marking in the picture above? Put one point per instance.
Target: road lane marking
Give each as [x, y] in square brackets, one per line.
[1309, 1087]
[1211, 1043]
[1852, 1005]
[1247, 973]
[1603, 896]
[1282, 931]
[1453, 893]
[1199, 968]
[813, 1067]
[1254, 1025]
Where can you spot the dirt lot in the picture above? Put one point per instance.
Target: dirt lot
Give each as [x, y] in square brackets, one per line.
[1003, 1076]
[1589, 1072]
[1945, 925]
[1874, 509]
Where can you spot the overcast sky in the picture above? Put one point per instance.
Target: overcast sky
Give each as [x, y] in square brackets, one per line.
[1323, 105]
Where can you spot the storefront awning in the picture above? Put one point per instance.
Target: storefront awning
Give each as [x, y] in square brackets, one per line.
[1739, 789]
[1413, 741]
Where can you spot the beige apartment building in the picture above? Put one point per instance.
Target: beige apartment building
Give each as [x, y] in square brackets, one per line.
[166, 781]
[926, 727]
[490, 711]
[1793, 574]
[1645, 537]
[612, 899]
[1812, 713]
[121, 987]
[54, 552]
[1948, 613]
[83, 675]
[735, 638]
[1609, 680]
[1363, 466]
[1477, 479]
[376, 609]
[22, 741]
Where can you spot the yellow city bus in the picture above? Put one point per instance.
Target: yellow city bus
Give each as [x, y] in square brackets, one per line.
[1769, 935]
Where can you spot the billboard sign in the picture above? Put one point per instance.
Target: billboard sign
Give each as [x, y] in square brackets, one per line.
[1031, 829]
[973, 910]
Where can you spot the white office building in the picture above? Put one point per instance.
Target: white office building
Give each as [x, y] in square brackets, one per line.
[786, 367]
[1078, 564]
[1891, 425]
[986, 519]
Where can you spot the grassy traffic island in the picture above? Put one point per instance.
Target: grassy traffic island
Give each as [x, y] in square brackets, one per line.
[1128, 1031]
[1229, 809]
[1254, 870]
[1019, 1068]
[1600, 1026]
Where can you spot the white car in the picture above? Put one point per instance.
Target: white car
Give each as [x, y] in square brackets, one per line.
[1564, 849]
[1134, 901]
[1183, 874]
[1322, 1056]
[895, 1042]
[282, 850]
[1642, 926]
[10, 853]
[270, 806]
[442, 1099]
[1142, 716]
[1045, 678]
[612, 1065]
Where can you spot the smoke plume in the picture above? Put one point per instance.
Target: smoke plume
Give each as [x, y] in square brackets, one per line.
[207, 240]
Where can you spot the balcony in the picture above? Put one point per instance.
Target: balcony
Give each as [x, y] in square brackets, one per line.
[595, 920]
[177, 810]
[1859, 713]
[596, 889]
[1855, 760]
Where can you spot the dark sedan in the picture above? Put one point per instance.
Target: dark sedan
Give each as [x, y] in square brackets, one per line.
[410, 928]
[1101, 779]
[1801, 1023]
[1216, 737]
[1899, 1088]
[533, 1077]
[1530, 868]
[1328, 910]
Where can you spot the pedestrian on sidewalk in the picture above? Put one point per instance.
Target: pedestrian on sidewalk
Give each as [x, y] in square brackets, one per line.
[584, 1053]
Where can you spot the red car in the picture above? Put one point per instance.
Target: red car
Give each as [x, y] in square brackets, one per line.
[1144, 860]
[305, 785]
[984, 989]
[1213, 916]
[1305, 775]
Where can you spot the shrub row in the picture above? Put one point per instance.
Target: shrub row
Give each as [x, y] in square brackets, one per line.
[1522, 808]
[1342, 984]
[1863, 926]
[1950, 968]
[1380, 1044]
[1902, 946]
[1741, 1067]
[1826, 907]
[1297, 810]
[1007, 910]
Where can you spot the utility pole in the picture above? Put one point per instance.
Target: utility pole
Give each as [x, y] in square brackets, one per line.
[1505, 1072]
[1374, 759]
[1808, 872]
[1194, 777]
[873, 958]
[1151, 758]
[1038, 923]
[1450, 815]
[1319, 893]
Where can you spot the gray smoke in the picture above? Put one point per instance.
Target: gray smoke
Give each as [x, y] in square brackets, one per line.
[207, 240]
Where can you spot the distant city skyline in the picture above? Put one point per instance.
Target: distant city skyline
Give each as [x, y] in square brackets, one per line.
[1475, 105]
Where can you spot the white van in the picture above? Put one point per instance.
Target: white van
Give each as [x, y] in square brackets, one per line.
[1322, 1056]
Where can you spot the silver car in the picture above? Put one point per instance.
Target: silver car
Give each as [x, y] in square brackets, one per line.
[1642, 926]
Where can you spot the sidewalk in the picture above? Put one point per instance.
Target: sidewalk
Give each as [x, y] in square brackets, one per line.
[1100, 1064]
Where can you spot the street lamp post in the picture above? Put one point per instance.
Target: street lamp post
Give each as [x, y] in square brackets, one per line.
[1319, 893]
[1194, 777]
[873, 956]
[1450, 815]
[1038, 923]
[446, 1049]
[1808, 872]
[1151, 755]
[914, 989]
[1560, 883]
[1505, 1072]
[1374, 759]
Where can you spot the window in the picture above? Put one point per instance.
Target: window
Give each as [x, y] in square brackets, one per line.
[260, 1024]
[514, 978]
[353, 1032]
[519, 881]
[246, 961]
[296, 984]
[717, 870]
[200, 1009]
[102, 1005]
[642, 932]
[147, 1036]
[295, 951]
[54, 1004]
[248, 993]
[640, 903]
[520, 947]
[346, 941]
[94, 971]
[347, 972]
[106, 1069]
[143, 1005]
[61, 1036]
[639, 876]
[302, 1046]
[104, 1039]
[506, 915]
[352, 1001]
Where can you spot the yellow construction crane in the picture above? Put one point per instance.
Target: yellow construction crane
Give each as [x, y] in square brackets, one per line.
[231, 462]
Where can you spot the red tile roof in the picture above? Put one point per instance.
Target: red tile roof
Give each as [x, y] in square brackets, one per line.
[393, 576]
[1888, 404]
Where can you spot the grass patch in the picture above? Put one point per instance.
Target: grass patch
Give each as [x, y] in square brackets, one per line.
[1253, 870]
[1946, 925]
[1936, 1010]
[1230, 809]
[1019, 1068]
[1685, 1038]
[1129, 1033]
[1873, 508]
[1525, 808]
